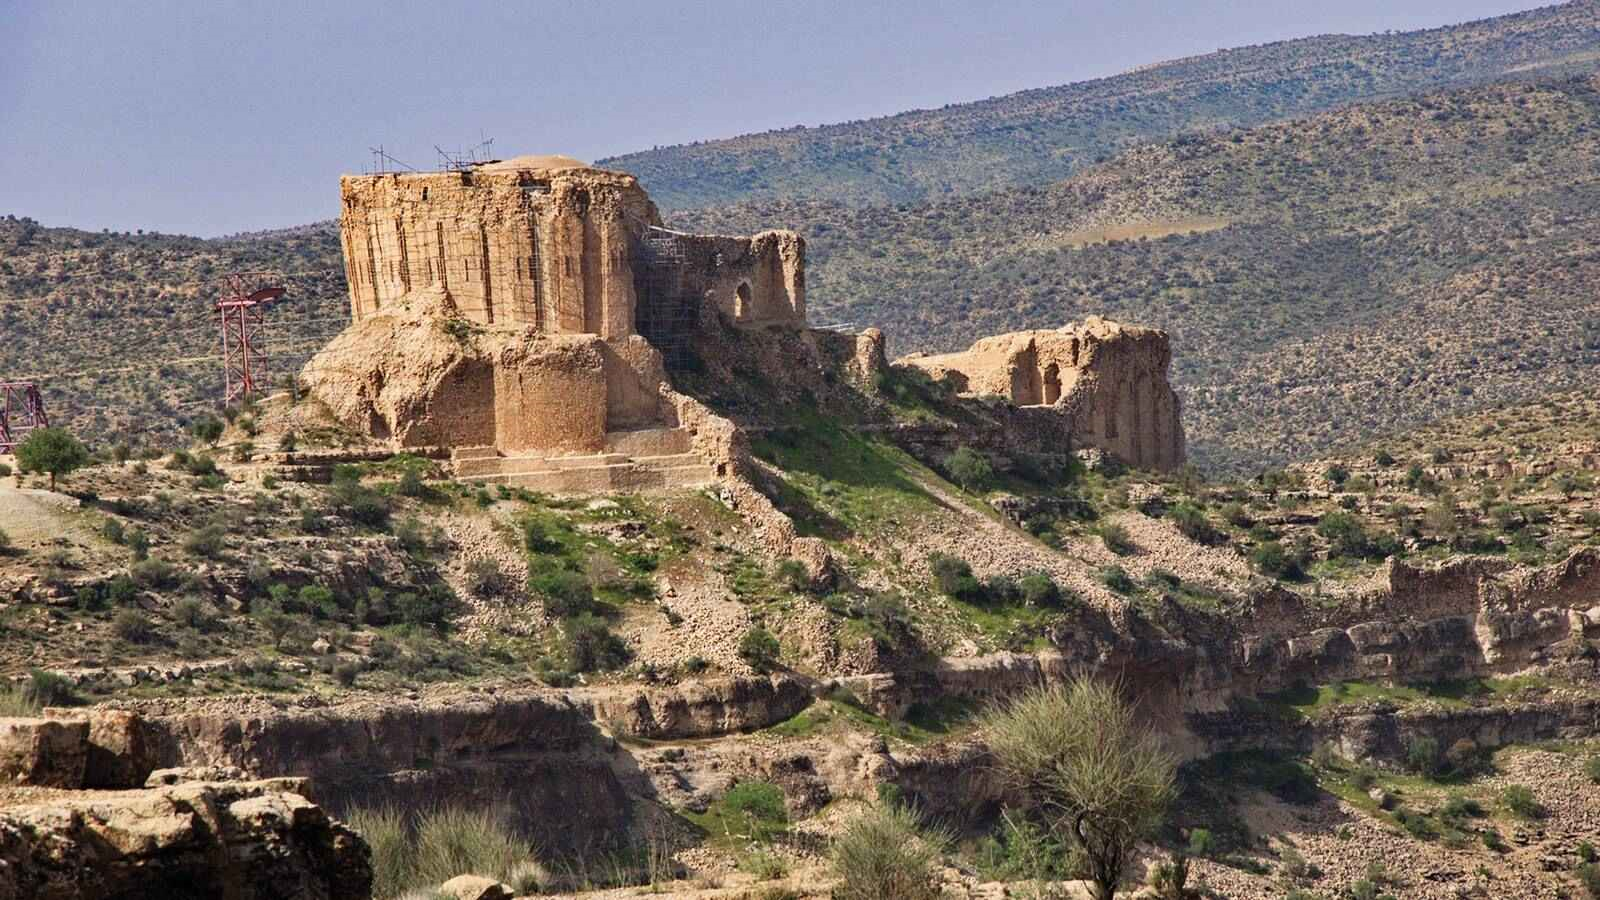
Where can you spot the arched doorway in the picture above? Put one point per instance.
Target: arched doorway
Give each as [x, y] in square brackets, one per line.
[741, 303]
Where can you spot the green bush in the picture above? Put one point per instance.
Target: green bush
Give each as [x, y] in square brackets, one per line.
[1001, 589]
[1589, 877]
[423, 852]
[792, 575]
[1345, 534]
[191, 613]
[759, 805]
[1116, 538]
[485, 578]
[1192, 523]
[953, 577]
[1024, 850]
[1591, 768]
[5, 542]
[207, 542]
[131, 626]
[759, 649]
[886, 854]
[1422, 755]
[207, 429]
[1118, 579]
[590, 646]
[430, 608]
[566, 593]
[361, 504]
[45, 688]
[53, 451]
[1519, 799]
[111, 529]
[410, 484]
[970, 469]
[536, 537]
[1039, 589]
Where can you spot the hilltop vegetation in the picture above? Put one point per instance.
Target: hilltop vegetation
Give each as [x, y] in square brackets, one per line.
[1041, 135]
[1364, 270]
[121, 327]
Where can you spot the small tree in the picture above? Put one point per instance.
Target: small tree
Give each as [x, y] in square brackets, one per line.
[52, 450]
[969, 468]
[1098, 775]
[207, 429]
[759, 649]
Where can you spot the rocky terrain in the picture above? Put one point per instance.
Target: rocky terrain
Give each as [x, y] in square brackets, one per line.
[399, 637]
[578, 563]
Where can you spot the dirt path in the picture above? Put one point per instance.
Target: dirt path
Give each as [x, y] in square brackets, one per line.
[33, 517]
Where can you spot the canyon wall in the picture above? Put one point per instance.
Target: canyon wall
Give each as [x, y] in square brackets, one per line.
[1109, 378]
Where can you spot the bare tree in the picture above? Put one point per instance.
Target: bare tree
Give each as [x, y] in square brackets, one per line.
[1100, 777]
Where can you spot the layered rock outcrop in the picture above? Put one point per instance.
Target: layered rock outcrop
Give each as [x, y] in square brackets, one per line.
[193, 841]
[1109, 378]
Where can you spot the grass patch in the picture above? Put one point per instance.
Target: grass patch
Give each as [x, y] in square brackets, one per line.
[751, 812]
[841, 711]
[840, 482]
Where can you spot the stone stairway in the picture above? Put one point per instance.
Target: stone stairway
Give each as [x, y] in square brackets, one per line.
[642, 460]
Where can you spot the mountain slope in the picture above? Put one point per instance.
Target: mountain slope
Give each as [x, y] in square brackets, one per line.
[120, 329]
[1369, 268]
[1050, 133]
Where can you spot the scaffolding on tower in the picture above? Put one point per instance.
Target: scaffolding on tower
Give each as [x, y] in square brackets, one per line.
[21, 411]
[666, 313]
[243, 298]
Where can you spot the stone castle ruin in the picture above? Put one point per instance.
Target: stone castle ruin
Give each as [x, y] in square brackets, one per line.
[523, 315]
[550, 243]
[1109, 379]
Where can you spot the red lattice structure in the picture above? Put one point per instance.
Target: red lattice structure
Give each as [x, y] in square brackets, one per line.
[21, 411]
[242, 303]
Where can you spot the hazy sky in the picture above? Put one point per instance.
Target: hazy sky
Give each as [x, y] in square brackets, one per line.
[213, 116]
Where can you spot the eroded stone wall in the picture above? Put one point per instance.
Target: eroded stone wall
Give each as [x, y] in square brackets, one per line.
[1109, 378]
[540, 241]
[418, 376]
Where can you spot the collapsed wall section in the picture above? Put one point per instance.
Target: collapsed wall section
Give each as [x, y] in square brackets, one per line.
[1109, 378]
[417, 376]
[754, 282]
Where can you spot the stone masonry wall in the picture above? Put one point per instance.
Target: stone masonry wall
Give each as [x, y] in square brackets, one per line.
[1111, 380]
[539, 241]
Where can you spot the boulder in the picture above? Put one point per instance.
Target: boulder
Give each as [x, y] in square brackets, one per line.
[245, 841]
[43, 752]
[475, 887]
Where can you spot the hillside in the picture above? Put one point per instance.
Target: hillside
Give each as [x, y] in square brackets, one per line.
[1049, 133]
[121, 329]
[1367, 698]
[1360, 271]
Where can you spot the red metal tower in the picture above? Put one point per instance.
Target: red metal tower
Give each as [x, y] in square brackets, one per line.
[241, 307]
[21, 411]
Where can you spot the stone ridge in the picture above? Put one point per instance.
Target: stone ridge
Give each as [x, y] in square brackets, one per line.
[1111, 379]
